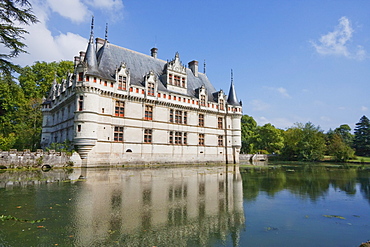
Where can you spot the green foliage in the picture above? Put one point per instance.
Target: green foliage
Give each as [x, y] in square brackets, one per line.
[7, 142]
[13, 13]
[338, 149]
[361, 140]
[66, 146]
[10, 217]
[345, 133]
[36, 80]
[20, 104]
[248, 127]
[304, 142]
[269, 138]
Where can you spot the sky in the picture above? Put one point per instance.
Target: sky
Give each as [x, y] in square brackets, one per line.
[293, 61]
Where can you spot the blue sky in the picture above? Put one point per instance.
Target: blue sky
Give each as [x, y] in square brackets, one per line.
[293, 61]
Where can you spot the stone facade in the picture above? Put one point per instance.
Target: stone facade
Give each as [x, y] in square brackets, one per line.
[120, 106]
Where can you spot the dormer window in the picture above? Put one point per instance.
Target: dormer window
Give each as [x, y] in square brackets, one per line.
[80, 76]
[203, 100]
[176, 77]
[222, 104]
[122, 77]
[151, 88]
[122, 82]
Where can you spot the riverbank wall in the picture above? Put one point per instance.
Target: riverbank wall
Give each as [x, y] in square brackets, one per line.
[18, 159]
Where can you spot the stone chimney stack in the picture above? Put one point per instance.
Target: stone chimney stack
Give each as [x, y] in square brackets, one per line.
[193, 65]
[99, 43]
[77, 59]
[154, 52]
[82, 55]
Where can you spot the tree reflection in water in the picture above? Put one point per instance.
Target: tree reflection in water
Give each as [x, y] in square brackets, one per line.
[306, 181]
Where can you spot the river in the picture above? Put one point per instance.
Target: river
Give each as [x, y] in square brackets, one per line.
[302, 205]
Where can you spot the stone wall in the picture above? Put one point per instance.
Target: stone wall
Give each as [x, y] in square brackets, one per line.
[26, 158]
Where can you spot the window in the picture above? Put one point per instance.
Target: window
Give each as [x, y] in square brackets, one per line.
[177, 80]
[78, 128]
[220, 122]
[147, 136]
[87, 78]
[94, 79]
[178, 137]
[222, 104]
[203, 100]
[170, 79]
[201, 120]
[80, 103]
[220, 141]
[118, 134]
[80, 76]
[171, 137]
[185, 117]
[171, 116]
[183, 82]
[151, 88]
[201, 139]
[119, 109]
[105, 83]
[178, 117]
[148, 112]
[122, 82]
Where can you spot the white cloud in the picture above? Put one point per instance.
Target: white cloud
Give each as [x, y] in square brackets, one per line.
[75, 10]
[258, 105]
[282, 91]
[364, 108]
[43, 46]
[106, 4]
[281, 123]
[336, 42]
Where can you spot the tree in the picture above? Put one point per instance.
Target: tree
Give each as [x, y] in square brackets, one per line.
[361, 141]
[13, 13]
[248, 127]
[37, 79]
[304, 142]
[345, 133]
[269, 138]
[339, 149]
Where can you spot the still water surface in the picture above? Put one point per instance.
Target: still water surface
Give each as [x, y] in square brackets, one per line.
[193, 206]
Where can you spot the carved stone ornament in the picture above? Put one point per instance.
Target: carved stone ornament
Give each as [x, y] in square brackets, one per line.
[175, 65]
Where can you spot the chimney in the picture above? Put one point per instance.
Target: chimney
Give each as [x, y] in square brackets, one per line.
[82, 55]
[77, 59]
[154, 52]
[193, 65]
[99, 43]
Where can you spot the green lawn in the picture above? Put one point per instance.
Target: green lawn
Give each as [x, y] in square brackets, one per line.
[360, 159]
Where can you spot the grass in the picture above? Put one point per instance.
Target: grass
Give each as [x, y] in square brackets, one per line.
[360, 159]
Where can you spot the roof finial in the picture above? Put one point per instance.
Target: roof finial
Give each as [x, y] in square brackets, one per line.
[92, 30]
[106, 31]
[232, 76]
[204, 66]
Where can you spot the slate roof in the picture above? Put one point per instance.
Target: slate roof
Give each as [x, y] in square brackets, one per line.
[110, 57]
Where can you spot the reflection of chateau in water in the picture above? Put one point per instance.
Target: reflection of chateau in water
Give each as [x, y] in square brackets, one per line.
[166, 207]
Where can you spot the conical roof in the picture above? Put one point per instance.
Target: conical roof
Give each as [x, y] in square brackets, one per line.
[90, 57]
[232, 99]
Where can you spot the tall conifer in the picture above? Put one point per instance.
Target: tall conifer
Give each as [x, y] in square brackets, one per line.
[361, 141]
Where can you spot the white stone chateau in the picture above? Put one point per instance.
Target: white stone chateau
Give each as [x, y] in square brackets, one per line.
[124, 107]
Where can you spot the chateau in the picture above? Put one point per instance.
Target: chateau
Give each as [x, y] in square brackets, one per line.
[123, 107]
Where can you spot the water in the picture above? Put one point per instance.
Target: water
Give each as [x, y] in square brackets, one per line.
[193, 206]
